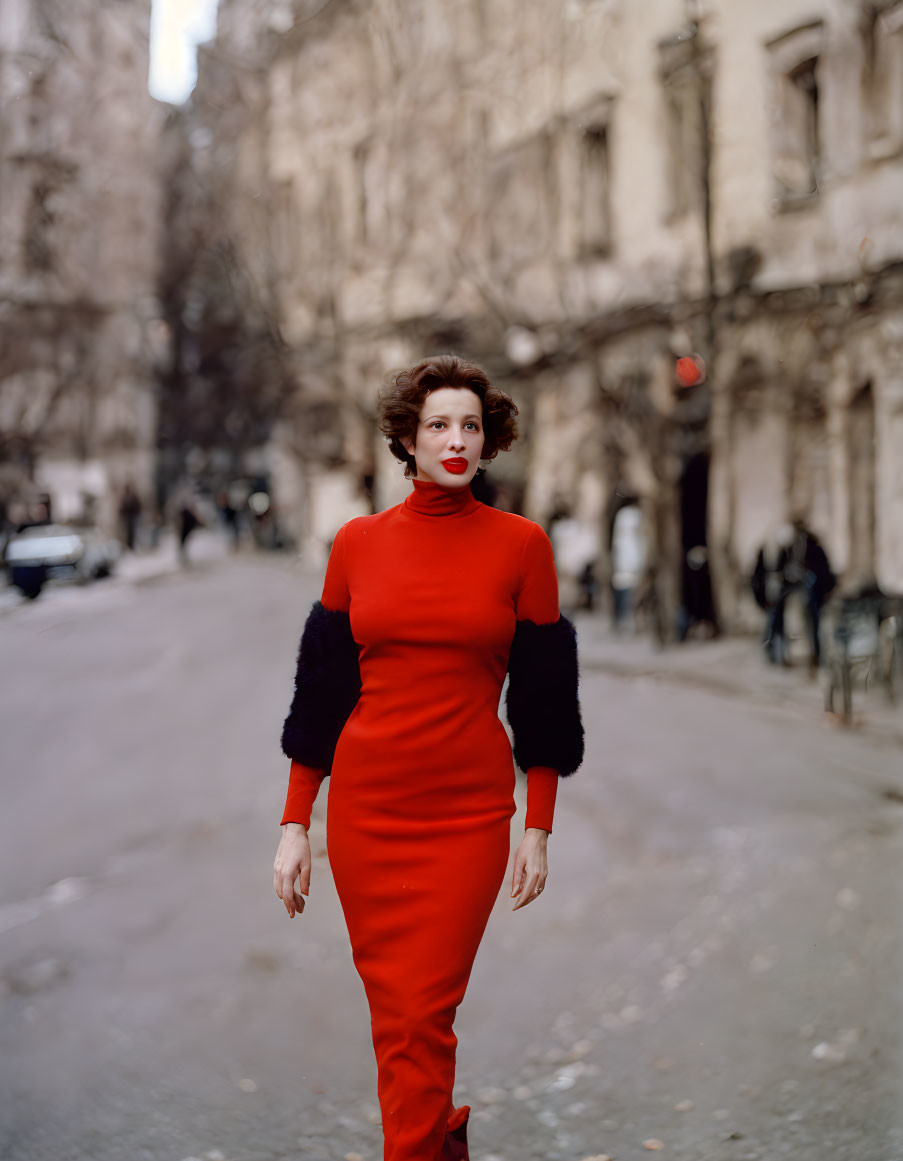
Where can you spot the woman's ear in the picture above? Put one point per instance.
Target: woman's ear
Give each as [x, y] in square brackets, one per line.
[408, 443]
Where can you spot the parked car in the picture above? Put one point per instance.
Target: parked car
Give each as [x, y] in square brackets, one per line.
[46, 552]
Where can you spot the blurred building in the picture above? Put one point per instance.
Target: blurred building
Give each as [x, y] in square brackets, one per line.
[230, 376]
[78, 222]
[576, 194]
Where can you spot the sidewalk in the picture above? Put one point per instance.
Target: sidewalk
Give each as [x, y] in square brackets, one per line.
[206, 547]
[732, 667]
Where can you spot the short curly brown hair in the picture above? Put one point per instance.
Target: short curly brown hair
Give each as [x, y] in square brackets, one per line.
[400, 403]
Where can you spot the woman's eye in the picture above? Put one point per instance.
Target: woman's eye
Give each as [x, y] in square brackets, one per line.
[473, 425]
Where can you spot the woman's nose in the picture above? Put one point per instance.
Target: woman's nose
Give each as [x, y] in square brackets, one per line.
[456, 439]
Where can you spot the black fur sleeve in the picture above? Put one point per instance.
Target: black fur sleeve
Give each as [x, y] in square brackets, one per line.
[327, 687]
[542, 702]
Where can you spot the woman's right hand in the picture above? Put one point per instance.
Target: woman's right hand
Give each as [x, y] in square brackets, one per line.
[292, 861]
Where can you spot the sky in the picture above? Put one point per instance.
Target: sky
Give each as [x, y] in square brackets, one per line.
[177, 26]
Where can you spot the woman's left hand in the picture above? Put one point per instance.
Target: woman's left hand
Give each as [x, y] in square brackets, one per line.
[531, 867]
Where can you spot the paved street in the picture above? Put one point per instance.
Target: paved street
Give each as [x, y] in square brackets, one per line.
[713, 973]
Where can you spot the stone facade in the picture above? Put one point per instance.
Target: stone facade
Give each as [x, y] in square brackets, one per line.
[575, 194]
[78, 248]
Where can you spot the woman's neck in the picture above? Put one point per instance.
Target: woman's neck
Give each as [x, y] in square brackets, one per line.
[431, 499]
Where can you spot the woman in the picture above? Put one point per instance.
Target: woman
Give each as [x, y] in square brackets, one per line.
[425, 607]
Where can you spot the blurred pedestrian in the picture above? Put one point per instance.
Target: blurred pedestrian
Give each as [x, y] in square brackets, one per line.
[130, 514]
[576, 546]
[187, 520]
[446, 594]
[767, 584]
[629, 551]
[589, 587]
[697, 608]
[229, 515]
[817, 583]
[800, 566]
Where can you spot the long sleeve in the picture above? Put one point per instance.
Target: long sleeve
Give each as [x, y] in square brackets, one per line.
[304, 784]
[542, 701]
[542, 790]
[327, 687]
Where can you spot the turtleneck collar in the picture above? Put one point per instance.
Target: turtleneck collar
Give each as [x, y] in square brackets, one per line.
[430, 499]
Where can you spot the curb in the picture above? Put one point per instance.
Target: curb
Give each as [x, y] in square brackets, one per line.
[733, 668]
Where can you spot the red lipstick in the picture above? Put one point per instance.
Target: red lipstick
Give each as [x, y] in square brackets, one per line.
[457, 466]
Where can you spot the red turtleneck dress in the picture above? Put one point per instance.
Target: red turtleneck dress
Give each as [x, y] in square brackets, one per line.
[422, 780]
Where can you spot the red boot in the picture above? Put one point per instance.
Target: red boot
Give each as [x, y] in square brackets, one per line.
[455, 1147]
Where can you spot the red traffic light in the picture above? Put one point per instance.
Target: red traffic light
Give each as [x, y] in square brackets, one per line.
[690, 370]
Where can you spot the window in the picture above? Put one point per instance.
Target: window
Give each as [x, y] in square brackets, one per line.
[595, 211]
[683, 149]
[521, 202]
[797, 167]
[794, 111]
[40, 221]
[882, 79]
[685, 66]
